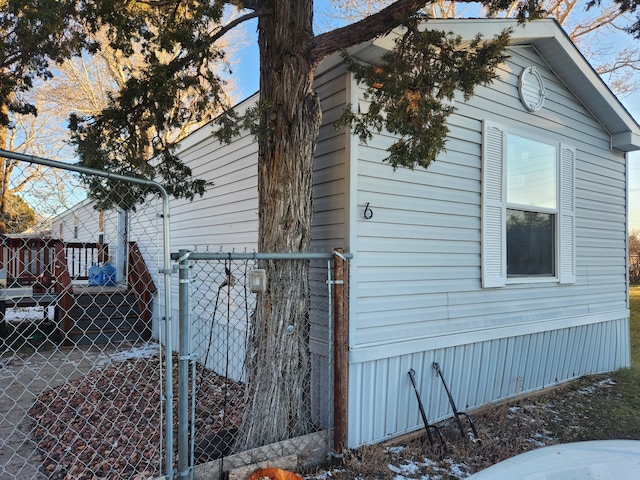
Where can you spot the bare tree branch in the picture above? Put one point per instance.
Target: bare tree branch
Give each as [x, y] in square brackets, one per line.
[234, 23]
[367, 28]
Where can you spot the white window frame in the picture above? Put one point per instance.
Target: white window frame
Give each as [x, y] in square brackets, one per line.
[494, 208]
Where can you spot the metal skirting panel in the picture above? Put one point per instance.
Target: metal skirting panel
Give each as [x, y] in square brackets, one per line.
[382, 403]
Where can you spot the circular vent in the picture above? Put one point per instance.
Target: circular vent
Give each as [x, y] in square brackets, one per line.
[531, 89]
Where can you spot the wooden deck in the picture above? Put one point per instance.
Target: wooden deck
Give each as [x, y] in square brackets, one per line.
[83, 312]
[95, 314]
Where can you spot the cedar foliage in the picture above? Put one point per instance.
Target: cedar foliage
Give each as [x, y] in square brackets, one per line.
[411, 91]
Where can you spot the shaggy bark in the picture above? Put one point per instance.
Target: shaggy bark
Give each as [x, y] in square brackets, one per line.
[278, 358]
[289, 128]
[5, 163]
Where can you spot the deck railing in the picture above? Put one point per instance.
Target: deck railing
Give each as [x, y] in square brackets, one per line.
[63, 287]
[80, 256]
[24, 259]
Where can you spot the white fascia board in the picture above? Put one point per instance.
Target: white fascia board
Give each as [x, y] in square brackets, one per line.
[626, 142]
[579, 76]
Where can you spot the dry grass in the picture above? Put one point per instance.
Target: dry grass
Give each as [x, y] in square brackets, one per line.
[590, 408]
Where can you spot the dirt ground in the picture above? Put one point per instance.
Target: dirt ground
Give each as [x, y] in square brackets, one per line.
[94, 412]
[24, 373]
[40, 381]
[576, 411]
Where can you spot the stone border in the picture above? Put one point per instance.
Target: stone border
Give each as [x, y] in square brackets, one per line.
[300, 452]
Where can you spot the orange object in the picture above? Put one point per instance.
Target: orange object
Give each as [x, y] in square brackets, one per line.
[273, 474]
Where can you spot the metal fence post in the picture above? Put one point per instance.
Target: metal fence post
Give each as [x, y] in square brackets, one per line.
[219, 315]
[184, 464]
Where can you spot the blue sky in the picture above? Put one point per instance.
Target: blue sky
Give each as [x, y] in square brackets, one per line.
[246, 75]
[633, 105]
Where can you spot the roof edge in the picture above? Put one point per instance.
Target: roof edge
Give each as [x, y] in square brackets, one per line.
[548, 36]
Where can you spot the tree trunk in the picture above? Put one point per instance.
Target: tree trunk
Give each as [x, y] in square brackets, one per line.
[278, 359]
[278, 362]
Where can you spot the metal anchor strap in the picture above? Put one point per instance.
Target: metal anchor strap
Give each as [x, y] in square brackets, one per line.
[457, 414]
[423, 414]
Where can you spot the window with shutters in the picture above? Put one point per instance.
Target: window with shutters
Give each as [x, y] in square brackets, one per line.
[527, 209]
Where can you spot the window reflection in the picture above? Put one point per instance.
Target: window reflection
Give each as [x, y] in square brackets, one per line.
[530, 243]
[531, 172]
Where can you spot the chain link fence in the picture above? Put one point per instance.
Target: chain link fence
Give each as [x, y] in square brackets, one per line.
[222, 294]
[82, 370]
[87, 354]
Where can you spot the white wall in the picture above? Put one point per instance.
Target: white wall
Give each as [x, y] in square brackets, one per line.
[225, 218]
[416, 290]
[81, 224]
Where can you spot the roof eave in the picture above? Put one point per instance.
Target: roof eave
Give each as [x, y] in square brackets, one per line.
[626, 141]
[548, 37]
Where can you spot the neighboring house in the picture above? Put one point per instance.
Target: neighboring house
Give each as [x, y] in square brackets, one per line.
[84, 224]
[505, 261]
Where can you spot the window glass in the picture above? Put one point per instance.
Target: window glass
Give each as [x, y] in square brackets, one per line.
[530, 243]
[531, 172]
[531, 207]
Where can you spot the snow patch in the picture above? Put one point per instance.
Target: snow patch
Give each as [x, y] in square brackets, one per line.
[26, 314]
[144, 350]
[590, 389]
[405, 469]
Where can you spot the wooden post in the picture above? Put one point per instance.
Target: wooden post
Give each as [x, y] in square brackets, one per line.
[64, 290]
[340, 354]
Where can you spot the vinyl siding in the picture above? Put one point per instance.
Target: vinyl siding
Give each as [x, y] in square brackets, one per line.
[329, 178]
[421, 249]
[226, 217]
[384, 405]
[416, 293]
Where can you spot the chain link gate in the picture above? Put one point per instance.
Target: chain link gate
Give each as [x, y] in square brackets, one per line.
[217, 301]
[84, 377]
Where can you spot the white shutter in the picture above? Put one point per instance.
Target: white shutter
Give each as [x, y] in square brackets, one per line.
[567, 235]
[494, 258]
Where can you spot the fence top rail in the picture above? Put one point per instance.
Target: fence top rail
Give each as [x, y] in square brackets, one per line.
[259, 256]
